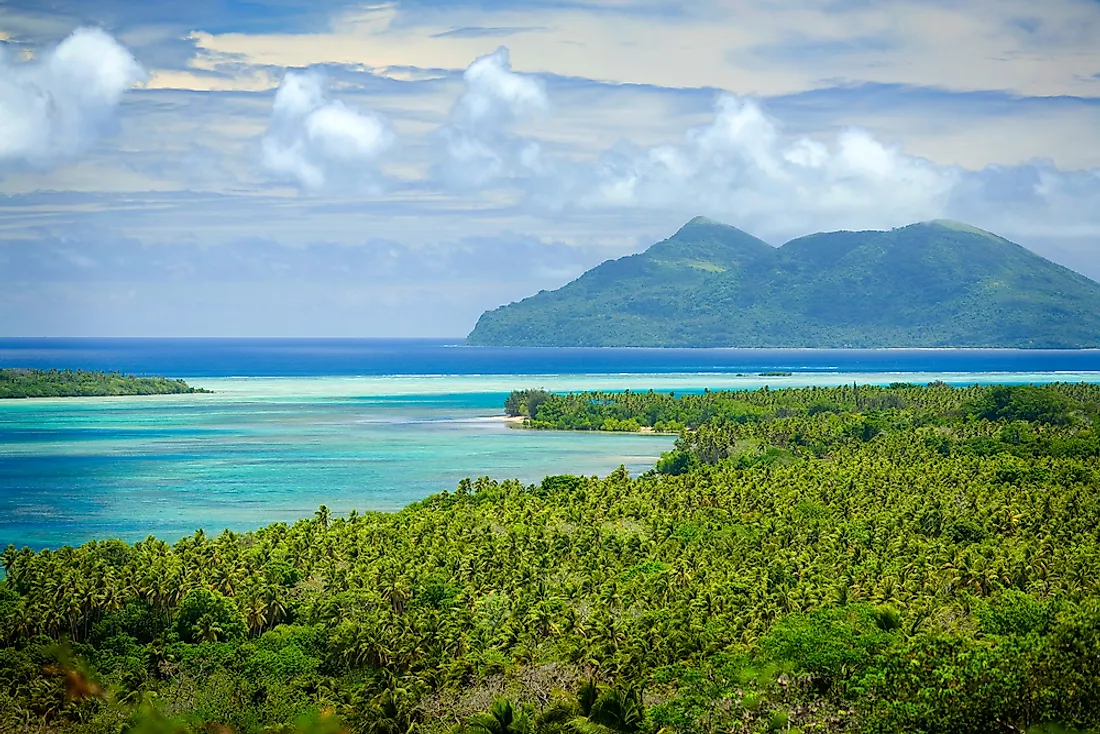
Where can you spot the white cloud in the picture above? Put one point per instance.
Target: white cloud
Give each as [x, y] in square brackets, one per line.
[740, 168]
[54, 107]
[739, 165]
[743, 168]
[319, 142]
[479, 147]
[496, 95]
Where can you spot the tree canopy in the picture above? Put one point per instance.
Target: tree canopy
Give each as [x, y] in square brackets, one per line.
[932, 284]
[32, 383]
[838, 561]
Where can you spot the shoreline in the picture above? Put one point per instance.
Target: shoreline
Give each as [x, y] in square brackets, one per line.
[518, 422]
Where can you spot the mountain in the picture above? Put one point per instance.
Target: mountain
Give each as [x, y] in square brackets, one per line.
[932, 284]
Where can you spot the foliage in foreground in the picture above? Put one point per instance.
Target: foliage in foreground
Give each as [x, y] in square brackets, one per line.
[939, 573]
[27, 383]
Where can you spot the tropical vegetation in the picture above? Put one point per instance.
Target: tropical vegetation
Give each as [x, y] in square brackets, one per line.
[933, 284]
[33, 383]
[851, 559]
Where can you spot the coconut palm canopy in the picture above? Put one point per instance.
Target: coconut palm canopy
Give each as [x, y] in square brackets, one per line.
[840, 559]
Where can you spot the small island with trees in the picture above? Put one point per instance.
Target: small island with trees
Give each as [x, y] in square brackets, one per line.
[33, 383]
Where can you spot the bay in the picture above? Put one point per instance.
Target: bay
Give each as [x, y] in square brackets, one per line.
[257, 452]
[363, 424]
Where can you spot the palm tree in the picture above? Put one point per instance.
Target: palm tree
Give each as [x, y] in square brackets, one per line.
[323, 515]
[10, 554]
[256, 615]
[615, 710]
[501, 718]
[596, 711]
[207, 629]
[274, 596]
[388, 713]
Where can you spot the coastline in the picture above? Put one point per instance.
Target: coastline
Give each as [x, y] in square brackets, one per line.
[519, 421]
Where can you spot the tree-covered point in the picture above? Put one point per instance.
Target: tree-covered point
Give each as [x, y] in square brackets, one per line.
[667, 412]
[937, 572]
[31, 383]
[524, 403]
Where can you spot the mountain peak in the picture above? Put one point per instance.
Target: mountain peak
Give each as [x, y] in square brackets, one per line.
[702, 222]
[932, 284]
[705, 243]
[960, 227]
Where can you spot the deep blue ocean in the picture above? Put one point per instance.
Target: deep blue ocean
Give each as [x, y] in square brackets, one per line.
[320, 357]
[364, 424]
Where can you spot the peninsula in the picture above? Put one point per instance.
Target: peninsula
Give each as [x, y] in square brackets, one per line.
[31, 383]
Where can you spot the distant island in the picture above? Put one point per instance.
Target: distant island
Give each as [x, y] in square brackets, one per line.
[31, 383]
[933, 284]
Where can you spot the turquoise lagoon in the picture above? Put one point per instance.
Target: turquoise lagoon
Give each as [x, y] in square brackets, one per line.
[260, 450]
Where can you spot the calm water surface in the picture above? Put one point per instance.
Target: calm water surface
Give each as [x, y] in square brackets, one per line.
[419, 417]
[316, 357]
[74, 469]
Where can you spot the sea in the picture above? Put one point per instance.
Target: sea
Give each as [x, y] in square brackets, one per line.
[366, 424]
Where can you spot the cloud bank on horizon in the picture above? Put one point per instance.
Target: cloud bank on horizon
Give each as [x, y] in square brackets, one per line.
[161, 140]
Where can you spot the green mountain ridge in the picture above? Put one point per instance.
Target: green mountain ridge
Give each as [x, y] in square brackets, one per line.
[931, 284]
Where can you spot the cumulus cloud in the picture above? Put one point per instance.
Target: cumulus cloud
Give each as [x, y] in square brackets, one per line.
[495, 94]
[319, 142]
[55, 106]
[741, 166]
[479, 146]
[742, 169]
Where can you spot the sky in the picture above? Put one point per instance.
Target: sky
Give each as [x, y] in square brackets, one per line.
[337, 168]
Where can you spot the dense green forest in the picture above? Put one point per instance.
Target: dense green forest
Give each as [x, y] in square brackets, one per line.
[872, 559]
[899, 401]
[932, 284]
[28, 383]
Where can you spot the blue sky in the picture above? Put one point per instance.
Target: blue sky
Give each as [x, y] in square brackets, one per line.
[382, 169]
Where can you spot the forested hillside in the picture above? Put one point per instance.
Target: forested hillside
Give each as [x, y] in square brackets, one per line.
[932, 284]
[896, 559]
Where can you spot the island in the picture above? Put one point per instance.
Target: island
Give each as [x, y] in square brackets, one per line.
[932, 284]
[34, 383]
[899, 558]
